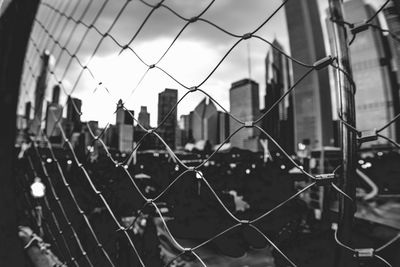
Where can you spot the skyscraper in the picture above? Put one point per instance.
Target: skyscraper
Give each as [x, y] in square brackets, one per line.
[74, 106]
[223, 126]
[190, 125]
[371, 71]
[279, 121]
[53, 115]
[185, 126]
[392, 16]
[56, 94]
[393, 22]
[40, 91]
[166, 102]
[124, 116]
[311, 98]
[72, 123]
[125, 129]
[110, 136]
[205, 122]
[144, 117]
[396, 5]
[245, 105]
[28, 107]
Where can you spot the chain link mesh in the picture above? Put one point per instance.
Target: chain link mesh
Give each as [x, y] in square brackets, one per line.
[51, 36]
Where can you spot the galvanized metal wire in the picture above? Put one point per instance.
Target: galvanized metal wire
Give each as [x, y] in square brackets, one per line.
[49, 40]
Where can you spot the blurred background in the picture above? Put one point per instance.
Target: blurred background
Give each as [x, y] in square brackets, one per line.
[201, 133]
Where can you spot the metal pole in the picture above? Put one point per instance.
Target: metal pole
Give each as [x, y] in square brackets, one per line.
[346, 108]
[16, 21]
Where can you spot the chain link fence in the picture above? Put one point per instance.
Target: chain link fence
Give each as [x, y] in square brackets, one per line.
[41, 159]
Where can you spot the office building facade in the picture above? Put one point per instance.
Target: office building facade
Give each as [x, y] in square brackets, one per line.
[74, 109]
[144, 117]
[278, 123]
[244, 105]
[40, 91]
[185, 126]
[392, 16]
[312, 97]
[125, 130]
[370, 63]
[166, 102]
[223, 127]
[54, 114]
[205, 122]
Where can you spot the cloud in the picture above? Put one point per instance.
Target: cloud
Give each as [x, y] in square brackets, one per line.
[193, 56]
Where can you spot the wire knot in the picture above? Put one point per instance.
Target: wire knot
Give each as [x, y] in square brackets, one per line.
[364, 253]
[187, 251]
[249, 124]
[323, 62]
[367, 136]
[193, 19]
[121, 229]
[324, 179]
[357, 28]
[191, 168]
[247, 36]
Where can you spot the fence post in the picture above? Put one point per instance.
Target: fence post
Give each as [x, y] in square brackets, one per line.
[348, 139]
[15, 27]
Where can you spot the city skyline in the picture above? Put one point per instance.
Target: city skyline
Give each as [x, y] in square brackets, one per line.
[212, 46]
[323, 124]
[201, 139]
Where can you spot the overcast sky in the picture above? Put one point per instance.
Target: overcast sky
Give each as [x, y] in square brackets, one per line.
[190, 60]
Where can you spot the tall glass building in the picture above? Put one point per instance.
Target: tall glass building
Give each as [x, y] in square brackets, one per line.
[311, 97]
